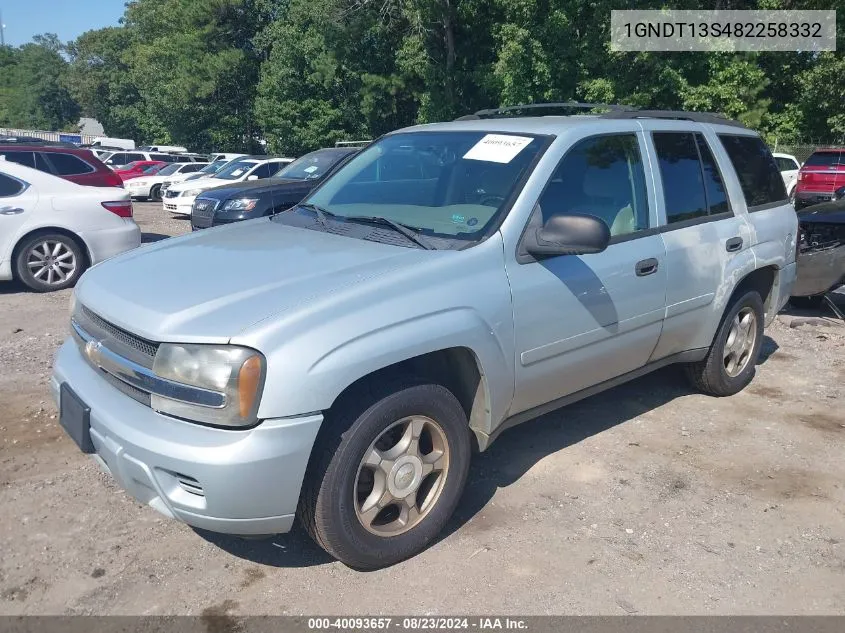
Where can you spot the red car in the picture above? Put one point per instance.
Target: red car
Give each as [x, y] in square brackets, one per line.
[71, 163]
[820, 176]
[140, 168]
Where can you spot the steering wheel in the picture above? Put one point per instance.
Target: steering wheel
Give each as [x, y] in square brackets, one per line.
[491, 200]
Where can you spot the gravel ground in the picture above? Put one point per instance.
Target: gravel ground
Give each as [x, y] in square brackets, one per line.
[646, 499]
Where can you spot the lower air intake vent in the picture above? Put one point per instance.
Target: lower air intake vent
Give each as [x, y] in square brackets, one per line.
[189, 484]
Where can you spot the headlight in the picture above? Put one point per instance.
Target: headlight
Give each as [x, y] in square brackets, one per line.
[237, 373]
[192, 192]
[240, 204]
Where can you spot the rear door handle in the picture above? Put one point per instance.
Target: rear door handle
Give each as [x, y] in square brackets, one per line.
[733, 245]
[10, 210]
[646, 267]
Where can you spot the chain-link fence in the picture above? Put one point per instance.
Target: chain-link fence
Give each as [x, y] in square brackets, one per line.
[803, 149]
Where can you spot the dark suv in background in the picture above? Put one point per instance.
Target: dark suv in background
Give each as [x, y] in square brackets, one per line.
[71, 163]
[253, 199]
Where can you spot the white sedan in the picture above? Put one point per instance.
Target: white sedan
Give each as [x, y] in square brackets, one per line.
[51, 229]
[179, 197]
[149, 187]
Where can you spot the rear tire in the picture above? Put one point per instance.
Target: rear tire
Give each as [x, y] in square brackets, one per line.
[731, 362]
[49, 261]
[378, 491]
[155, 193]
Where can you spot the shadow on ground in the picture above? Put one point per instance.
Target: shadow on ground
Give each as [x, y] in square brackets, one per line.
[148, 238]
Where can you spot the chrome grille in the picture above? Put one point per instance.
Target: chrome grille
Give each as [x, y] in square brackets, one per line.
[147, 348]
[133, 392]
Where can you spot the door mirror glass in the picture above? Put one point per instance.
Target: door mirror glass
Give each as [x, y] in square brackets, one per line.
[568, 235]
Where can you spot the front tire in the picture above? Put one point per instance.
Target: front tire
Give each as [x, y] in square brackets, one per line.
[731, 362]
[49, 261]
[155, 193]
[387, 473]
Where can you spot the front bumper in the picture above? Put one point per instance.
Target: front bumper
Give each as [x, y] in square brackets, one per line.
[243, 482]
[179, 206]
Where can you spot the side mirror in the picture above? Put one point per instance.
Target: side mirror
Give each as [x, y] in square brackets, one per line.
[252, 177]
[568, 235]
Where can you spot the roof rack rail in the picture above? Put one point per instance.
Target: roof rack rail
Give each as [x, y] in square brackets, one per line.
[362, 143]
[568, 105]
[677, 115]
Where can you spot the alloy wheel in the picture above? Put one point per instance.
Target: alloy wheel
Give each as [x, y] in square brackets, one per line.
[740, 342]
[51, 262]
[401, 476]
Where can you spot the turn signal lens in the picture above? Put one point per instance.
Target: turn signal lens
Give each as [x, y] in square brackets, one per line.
[249, 381]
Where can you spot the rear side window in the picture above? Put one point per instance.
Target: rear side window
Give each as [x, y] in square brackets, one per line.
[21, 158]
[167, 158]
[682, 176]
[785, 164]
[826, 159]
[714, 188]
[9, 186]
[756, 169]
[67, 164]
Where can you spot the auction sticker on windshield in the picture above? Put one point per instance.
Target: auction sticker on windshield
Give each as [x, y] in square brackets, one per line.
[498, 148]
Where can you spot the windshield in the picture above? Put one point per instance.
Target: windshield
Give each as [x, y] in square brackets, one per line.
[172, 168]
[447, 184]
[213, 168]
[311, 166]
[235, 169]
[131, 165]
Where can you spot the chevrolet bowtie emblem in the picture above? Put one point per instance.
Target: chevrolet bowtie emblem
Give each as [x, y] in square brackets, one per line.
[92, 351]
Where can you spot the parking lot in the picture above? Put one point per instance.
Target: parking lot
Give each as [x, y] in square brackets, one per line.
[645, 499]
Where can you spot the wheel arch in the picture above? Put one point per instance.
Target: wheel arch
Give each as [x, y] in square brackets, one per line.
[46, 230]
[458, 369]
[762, 280]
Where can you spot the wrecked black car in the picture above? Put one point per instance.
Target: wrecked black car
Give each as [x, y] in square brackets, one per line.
[821, 252]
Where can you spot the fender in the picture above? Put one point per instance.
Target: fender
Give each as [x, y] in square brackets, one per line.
[328, 373]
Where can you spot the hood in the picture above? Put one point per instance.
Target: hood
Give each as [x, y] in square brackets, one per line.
[211, 285]
[257, 187]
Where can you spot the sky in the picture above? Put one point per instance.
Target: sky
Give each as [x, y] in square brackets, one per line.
[66, 18]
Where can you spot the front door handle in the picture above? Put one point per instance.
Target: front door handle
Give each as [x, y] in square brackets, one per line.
[733, 245]
[646, 267]
[10, 210]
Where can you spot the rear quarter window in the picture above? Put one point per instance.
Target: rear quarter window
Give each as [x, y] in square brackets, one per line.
[9, 186]
[758, 174]
[67, 164]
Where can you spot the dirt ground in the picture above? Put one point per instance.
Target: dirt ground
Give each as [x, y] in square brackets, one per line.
[646, 499]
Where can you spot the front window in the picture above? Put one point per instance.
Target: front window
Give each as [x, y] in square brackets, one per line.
[235, 169]
[444, 184]
[311, 166]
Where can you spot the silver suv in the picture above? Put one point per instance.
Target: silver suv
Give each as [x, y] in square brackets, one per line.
[340, 361]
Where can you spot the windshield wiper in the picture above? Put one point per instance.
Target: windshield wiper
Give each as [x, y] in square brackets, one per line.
[319, 211]
[411, 232]
[408, 231]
